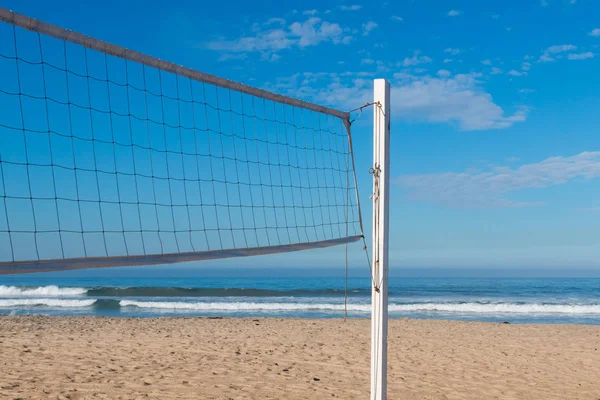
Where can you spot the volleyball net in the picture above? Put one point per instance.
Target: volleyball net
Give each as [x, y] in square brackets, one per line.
[109, 157]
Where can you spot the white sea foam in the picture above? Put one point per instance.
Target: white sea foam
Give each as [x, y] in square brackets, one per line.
[475, 308]
[240, 306]
[14, 291]
[499, 308]
[10, 303]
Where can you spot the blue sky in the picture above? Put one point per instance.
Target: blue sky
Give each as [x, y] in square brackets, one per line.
[495, 144]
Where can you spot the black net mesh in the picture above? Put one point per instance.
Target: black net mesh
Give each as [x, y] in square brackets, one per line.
[105, 157]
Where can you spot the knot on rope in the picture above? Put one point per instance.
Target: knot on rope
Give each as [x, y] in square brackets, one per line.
[375, 171]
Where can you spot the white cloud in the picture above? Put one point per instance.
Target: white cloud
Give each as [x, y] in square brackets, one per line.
[444, 73]
[526, 66]
[397, 18]
[551, 52]
[367, 61]
[416, 59]
[487, 62]
[447, 60]
[452, 51]
[581, 56]
[268, 40]
[310, 12]
[453, 13]
[526, 91]
[513, 72]
[490, 188]
[457, 100]
[354, 7]
[368, 27]
[314, 31]
[496, 71]
[595, 32]
[273, 21]
[561, 48]
[232, 56]
[404, 76]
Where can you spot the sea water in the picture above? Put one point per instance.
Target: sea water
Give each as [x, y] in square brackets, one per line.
[303, 293]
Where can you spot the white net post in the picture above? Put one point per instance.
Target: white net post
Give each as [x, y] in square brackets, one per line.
[381, 180]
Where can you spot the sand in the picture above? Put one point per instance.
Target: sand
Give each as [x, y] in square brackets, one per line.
[185, 358]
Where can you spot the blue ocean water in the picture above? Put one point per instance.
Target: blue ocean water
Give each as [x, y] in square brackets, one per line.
[146, 292]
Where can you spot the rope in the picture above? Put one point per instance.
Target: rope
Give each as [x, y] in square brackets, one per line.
[372, 171]
[347, 204]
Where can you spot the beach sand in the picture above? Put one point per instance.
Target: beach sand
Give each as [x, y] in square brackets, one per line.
[258, 358]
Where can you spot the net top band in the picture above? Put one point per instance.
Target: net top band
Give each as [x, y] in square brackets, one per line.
[35, 25]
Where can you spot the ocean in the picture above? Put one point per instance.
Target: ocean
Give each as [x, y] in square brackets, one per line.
[303, 293]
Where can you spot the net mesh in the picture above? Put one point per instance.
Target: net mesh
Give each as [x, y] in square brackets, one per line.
[101, 156]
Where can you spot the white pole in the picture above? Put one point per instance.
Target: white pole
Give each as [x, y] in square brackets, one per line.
[381, 180]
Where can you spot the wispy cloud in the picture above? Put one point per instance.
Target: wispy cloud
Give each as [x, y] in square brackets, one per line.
[452, 51]
[272, 21]
[527, 91]
[458, 100]
[580, 56]
[416, 59]
[354, 7]
[274, 36]
[561, 48]
[544, 3]
[490, 188]
[397, 18]
[513, 72]
[368, 27]
[310, 12]
[595, 32]
[444, 73]
[447, 60]
[553, 52]
[526, 66]
[454, 13]
[496, 71]
[486, 62]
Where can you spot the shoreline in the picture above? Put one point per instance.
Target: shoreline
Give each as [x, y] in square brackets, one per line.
[279, 358]
[506, 321]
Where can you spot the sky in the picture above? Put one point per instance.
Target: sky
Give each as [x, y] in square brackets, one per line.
[495, 151]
